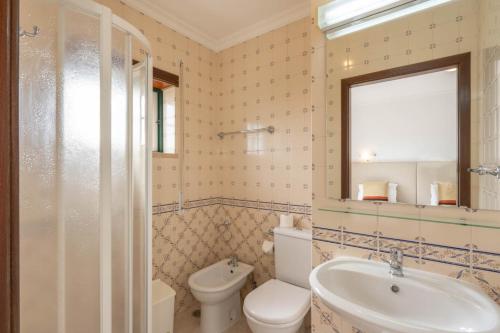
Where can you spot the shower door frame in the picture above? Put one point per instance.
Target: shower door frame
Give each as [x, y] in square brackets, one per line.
[9, 167]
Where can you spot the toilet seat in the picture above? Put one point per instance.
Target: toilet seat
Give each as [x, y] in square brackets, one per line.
[276, 303]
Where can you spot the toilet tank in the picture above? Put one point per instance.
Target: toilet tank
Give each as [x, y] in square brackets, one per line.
[293, 256]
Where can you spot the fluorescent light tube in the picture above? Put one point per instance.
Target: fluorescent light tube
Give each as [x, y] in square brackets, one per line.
[342, 17]
[339, 12]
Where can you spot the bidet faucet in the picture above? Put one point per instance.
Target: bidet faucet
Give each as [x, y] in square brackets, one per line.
[233, 261]
[396, 262]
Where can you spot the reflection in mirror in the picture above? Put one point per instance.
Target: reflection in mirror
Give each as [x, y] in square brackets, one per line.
[402, 130]
[413, 155]
[403, 124]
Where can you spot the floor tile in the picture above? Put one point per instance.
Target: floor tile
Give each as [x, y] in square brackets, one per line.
[186, 323]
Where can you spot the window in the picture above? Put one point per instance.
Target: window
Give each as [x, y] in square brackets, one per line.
[164, 120]
[165, 124]
[157, 120]
[169, 123]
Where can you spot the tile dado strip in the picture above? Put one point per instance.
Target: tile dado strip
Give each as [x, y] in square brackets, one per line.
[173, 206]
[262, 205]
[469, 257]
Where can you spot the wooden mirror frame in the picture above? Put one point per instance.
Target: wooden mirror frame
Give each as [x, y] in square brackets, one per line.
[462, 63]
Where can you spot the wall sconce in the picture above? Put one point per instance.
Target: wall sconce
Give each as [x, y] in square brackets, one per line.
[347, 63]
[367, 156]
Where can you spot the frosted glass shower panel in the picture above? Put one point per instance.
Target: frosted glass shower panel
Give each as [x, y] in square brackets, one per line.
[85, 224]
[79, 182]
[119, 181]
[141, 92]
[37, 147]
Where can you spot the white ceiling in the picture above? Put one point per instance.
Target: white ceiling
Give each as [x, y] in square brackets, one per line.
[407, 119]
[420, 86]
[219, 24]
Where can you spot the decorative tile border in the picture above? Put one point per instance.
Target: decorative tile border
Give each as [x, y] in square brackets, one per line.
[416, 249]
[262, 205]
[165, 208]
[271, 206]
[173, 206]
[486, 261]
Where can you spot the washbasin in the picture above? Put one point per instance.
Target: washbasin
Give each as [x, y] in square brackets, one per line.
[375, 301]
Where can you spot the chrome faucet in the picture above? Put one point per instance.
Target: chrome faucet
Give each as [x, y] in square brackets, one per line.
[396, 262]
[233, 261]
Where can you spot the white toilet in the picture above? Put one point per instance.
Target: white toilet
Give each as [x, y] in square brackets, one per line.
[280, 305]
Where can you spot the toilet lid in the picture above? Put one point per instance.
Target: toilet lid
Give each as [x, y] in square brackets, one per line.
[277, 302]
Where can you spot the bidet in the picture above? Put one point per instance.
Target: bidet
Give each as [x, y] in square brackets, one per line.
[217, 288]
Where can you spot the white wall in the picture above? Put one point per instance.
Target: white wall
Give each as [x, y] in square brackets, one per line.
[408, 119]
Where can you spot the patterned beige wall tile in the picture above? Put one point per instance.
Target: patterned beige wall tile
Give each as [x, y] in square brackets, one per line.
[443, 249]
[279, 79]
[265, 81]
[169, 48]
[433, 34]
[182, 245]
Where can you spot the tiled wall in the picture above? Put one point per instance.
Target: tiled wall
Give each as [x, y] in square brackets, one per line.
[246, 180]
[182, 244]
[266, 81]
[262, 82]
[437, 33]
[489, 86]
[249, 180]
[185, 243]
[250, 225]
[468, 253]
[200, 89]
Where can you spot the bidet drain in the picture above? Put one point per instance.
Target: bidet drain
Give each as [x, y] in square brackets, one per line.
[197, 313]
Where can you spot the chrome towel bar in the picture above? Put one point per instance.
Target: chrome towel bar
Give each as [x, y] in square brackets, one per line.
[269, 129]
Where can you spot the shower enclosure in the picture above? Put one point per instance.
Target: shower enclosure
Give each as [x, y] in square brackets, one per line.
[85, 199]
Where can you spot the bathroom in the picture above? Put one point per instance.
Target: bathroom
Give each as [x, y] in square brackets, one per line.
[287, 166]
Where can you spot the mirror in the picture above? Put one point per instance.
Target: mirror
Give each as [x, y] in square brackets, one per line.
[402, 131]
[412, 109]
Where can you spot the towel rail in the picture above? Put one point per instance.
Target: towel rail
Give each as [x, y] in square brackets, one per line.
[269, 129]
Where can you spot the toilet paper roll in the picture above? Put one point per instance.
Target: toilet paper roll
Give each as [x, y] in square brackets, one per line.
[267, 247]
[286, 221]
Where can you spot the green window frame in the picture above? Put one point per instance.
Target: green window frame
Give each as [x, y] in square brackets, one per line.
[159, 119]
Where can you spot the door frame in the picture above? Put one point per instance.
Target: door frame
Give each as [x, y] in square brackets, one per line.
[9, 167]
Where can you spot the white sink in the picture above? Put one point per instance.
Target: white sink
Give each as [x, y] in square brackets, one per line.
[360, 290]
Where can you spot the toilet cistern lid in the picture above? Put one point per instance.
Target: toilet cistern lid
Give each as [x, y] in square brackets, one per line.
[277, 302]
